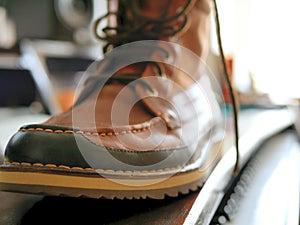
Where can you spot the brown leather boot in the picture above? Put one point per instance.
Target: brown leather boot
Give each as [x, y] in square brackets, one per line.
[146, 124]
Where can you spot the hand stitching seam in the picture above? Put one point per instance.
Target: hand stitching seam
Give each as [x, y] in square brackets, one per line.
[102, 134]
[88, 168]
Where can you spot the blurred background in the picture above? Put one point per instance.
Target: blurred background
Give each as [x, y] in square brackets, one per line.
[48, 44]
[262, 37]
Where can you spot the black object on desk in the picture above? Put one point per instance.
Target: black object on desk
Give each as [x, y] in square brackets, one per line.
[17, 88]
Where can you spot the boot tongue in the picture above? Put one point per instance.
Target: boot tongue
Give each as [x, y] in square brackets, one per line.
[170, 12]
[154, 9]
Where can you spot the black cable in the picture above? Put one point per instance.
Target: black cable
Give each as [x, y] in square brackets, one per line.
[231, 90]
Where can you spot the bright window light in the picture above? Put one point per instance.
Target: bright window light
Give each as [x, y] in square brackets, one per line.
[264, 39]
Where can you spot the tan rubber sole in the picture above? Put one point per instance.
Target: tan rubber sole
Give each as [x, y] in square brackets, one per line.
[98, 187]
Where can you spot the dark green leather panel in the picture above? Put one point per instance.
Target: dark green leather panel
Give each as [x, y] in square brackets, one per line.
[75, 150]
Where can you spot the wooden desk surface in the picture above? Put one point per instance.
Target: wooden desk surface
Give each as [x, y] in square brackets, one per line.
[91, 211]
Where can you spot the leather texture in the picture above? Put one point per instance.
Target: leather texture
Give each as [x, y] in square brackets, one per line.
[121, 127]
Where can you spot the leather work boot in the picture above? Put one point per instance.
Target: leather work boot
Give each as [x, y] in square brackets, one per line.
[146, 124]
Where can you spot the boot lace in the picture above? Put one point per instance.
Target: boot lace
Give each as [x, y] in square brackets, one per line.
[133, 25]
